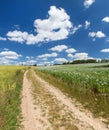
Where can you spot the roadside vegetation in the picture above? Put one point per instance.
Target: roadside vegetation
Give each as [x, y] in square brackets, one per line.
[11, 78]
[88, 83]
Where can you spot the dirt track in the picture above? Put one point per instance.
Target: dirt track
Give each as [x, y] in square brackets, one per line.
[50, 109]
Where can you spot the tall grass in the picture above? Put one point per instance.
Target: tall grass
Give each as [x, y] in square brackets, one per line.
[87, 83]
[10, 89]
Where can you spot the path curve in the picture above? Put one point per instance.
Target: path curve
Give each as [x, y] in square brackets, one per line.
[85, 118]
[33, 116]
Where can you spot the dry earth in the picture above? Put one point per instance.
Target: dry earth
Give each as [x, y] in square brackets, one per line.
[45, 107]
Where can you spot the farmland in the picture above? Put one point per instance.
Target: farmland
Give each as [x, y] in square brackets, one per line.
[10, 89]
[54, 97]
[88, 83]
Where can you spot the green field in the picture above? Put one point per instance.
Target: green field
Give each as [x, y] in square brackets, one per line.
[10, 89]
[88, 83]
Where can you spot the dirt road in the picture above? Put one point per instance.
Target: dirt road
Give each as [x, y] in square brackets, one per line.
[45, 107]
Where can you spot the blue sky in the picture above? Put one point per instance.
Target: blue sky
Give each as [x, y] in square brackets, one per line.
[53, 31]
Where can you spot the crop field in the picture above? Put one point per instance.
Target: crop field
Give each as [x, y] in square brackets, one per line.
[10, 89]
[88, 83]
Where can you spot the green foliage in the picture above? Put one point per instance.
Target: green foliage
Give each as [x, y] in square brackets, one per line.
[10, 89]
[88, 83]
[84, 61]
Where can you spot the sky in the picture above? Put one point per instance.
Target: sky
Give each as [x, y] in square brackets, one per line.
[53, 31]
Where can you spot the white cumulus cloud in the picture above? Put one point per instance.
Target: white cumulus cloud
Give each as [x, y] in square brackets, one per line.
[56, 27]
[105, 50]
[87, 24]
[82, 56]
[2, 39]
[6, 49]
[88, 3]
[58, 48]
[31, 62]
[70, 50]
[106, 19]
[17, 36]
[60, 60]
[98, 34]
[75, 29]
[9, 55]
[70, 56]
[48, 55]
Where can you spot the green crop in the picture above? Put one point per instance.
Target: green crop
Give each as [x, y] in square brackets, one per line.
[88, 83]
[88, 76]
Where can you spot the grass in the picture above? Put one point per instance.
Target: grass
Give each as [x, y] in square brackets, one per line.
[88, 83]
[10, 89]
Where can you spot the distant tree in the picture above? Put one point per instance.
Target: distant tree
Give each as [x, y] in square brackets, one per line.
[34, 64]
[84, 61]
[65, 63]
[91, 61]
[104, 60]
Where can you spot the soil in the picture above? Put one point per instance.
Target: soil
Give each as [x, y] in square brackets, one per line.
[44, 107]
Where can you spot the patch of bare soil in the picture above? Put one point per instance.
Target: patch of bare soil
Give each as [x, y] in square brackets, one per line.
[32, 115]
[50, 109]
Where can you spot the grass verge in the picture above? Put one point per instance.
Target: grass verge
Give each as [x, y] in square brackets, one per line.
[10, 91]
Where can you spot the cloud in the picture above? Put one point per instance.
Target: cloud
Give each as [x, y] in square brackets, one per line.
[59, 48]
[106, 19]
[44, 59]
[28, 62]
[60, 60]
[87, 24]
[47, 55]
[82, 56]
[17, 36]
[98, 34]
[88, 3]
[16, 26]
[56, 27]
[75, 29]
[6, 49]
[107, 40]
[4, 61]
[47, 63]
[70, 50]
[29, 57]
[2, 39]
[31, 62]
[9, 55]
[105, 50]
[70, 56]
